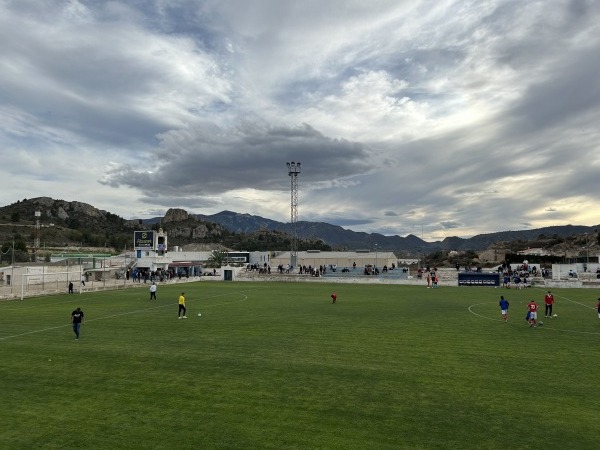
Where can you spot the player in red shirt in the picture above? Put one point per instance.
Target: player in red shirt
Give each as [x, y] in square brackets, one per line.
[532, 308]
[598, 306]
[333, 297]
[548, 301]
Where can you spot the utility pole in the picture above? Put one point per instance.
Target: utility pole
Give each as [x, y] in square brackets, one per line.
[36, 240]
[12, 267]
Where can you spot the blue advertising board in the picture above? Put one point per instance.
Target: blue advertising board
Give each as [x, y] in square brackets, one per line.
[478, 279]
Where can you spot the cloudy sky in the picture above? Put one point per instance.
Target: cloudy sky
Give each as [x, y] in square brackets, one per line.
[433, 118]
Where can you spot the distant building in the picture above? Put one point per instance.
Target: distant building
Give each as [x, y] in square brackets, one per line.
[493, 255]
[534, 251]
[341, 260]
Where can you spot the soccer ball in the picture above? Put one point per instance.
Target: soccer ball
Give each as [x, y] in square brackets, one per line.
[555, 315]
[199, 314]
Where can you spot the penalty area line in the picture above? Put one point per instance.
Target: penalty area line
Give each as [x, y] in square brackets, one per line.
[572, 301]
[482, 316]
[88, 320]
[112, 316]
[542, 326]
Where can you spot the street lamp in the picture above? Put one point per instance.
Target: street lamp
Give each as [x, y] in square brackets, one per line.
[375, 256]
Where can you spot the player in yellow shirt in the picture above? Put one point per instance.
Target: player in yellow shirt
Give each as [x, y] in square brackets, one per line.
[182, 307]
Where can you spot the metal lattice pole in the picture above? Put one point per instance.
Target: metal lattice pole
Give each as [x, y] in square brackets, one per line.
[293, 172]
[36, 240]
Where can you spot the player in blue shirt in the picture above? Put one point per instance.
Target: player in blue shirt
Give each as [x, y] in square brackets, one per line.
[504, 308]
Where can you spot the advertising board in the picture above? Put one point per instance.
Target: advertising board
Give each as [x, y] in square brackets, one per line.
[143, 240]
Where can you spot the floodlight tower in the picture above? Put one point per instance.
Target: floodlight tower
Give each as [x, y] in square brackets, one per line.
[36, 239]
[293, 172]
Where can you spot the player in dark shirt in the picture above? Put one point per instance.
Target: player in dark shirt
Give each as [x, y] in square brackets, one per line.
[77, 318]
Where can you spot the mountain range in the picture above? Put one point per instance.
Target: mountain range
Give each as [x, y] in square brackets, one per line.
[74, 221]
[342, 239]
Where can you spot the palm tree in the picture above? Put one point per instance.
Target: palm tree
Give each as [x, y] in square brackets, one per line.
[217, 258]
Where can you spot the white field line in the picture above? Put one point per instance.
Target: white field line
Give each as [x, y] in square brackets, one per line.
[244, 298]
[544, 326]
[569, 300]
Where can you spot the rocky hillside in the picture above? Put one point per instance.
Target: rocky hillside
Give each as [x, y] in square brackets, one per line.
[65, 224]
[77, 224]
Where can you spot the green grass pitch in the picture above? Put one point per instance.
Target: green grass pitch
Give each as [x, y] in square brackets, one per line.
[277, 366]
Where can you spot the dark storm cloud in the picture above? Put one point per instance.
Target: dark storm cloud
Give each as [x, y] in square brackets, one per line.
[250, 156]
[565, 98]
[450, 225]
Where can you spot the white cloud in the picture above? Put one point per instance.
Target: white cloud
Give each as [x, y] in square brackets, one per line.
[453, 117]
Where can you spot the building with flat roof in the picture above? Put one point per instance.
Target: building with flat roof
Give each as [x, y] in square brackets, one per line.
[341, 260]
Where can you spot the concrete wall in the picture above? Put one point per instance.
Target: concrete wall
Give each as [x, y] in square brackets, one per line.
[561, 271]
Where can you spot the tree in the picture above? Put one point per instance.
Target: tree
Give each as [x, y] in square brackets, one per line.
[20, 245]
[217, 258]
